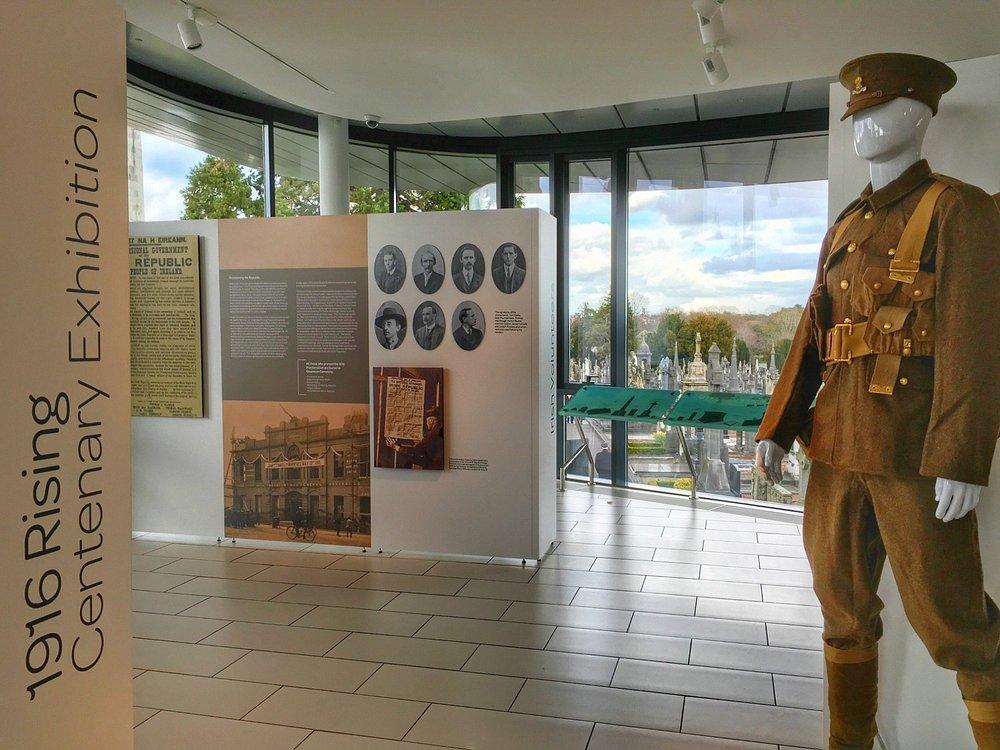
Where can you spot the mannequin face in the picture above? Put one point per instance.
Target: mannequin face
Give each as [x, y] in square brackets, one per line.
[883, 132]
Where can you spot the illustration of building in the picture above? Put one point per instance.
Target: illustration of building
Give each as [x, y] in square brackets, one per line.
[303, 466]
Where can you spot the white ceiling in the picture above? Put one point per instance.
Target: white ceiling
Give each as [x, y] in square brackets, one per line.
[441, 60]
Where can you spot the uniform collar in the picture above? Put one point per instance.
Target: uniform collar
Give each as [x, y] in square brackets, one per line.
[914, 176]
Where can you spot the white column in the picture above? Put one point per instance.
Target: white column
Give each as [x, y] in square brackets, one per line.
[334, 184]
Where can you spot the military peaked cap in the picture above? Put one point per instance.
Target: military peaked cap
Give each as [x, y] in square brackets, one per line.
[877, 79]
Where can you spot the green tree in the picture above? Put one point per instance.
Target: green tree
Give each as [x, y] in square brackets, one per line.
[295, 197]
[715, 328]
[221, 189]
[430, 200]
[666, 334]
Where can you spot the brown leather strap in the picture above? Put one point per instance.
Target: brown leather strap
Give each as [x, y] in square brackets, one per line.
[988, 712]
[846, 341]
[838, 233]
[849, 655]
[906, 261]
[885, 373]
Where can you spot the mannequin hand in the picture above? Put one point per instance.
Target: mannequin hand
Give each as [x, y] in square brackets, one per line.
[955, 499]
[767, 460]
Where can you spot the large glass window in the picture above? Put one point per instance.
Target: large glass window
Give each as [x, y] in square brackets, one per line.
[531, 185]
[427, 181]
[369, 175]
[722, 248]
[191, 163]
[296, 172]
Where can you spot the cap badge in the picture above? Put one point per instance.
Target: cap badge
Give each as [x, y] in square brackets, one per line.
[858, 88]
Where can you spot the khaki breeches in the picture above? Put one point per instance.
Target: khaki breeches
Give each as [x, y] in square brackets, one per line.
[852, 522]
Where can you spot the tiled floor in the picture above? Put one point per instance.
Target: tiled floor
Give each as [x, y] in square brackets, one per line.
[649, 626]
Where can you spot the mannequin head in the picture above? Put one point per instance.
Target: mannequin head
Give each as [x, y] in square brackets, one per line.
[890, 130]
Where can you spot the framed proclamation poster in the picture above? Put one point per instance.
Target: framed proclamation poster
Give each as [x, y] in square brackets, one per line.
[165, 301]
[409, 417]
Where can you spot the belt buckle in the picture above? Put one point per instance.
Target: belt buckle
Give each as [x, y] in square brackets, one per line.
[837, 339]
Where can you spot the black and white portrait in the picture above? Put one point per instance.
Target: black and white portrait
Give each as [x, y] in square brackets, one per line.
[468, 268]
[390, 325]
[428, 269]
[468, 325]
[390, 269]
[509, 268]
[428, 325]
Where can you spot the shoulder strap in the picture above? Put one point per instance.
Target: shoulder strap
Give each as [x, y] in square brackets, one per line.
[906, 262]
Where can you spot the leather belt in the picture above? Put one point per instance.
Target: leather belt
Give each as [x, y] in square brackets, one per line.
[845, 341]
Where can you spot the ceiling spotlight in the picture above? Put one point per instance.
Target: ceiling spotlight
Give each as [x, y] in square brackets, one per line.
[188, 28]
[710, 21]
[715, 66]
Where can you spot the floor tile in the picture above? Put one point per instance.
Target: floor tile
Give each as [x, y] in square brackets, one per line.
[629, 645]
[140, 715]
[297, 670]
[705, 628]
[794, 636]
[211, 568]
[756, 575]
[701, 587]
[608, 737]
[707, 558]
[580, 537]
[203, 552]
[790, 614]
[646, 568]
[590, 579]
[170, 731]
[746, 721]
[288, 558]
[422, 584]
[574, 617]
[335, 597]
[164, 604]
[790, 595]
[600, 550]
[183, 658]
[247, 610]
[591, 703]
[567, 562]
[523, 592]
[381, 564]
[339, 712]
[173, 628]
[231, 589]
[330, 741]
[451, 606]
[363, 621]
[208, 696]
[486, 631]
[545, 665]
[798, 692]
[285, 639]
[768, 538]
[143, 581]
[611, 527]
[685, 679]
[309, 576]
[784, 563]
[667, 603]
[443, 686]
[416, 652]
[770, 528]
[478, 729]
[141, 546]
[794, 661]
[517, 574]
[148, 563]
[668, 542]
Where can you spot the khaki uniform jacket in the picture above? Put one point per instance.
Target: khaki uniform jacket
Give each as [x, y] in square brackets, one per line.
[943, 417]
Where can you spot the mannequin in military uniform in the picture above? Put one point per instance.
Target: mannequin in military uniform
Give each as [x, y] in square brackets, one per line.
[898, 341]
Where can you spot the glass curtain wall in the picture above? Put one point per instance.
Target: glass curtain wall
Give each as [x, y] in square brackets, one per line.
[428, 181]
[532, 185]
[723, 242]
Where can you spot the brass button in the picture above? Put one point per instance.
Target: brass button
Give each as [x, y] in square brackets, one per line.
[869, 213]
[903, 381]
[844, 284]
[892, 251]
[917, 293]
[887, 326]
[923, 332]
[877, 285]
[852, 247]
[907, 351]
[847, 321]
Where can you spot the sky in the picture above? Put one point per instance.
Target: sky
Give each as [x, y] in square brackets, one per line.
[165, 166]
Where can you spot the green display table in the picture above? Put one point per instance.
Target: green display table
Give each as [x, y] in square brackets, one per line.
[699, 409]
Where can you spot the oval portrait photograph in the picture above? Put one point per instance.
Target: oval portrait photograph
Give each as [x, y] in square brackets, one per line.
[428, 269]
[390, 269]
[508, 268]
[390, 325]
[468, 325]
[428, 325]
[468, 268]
